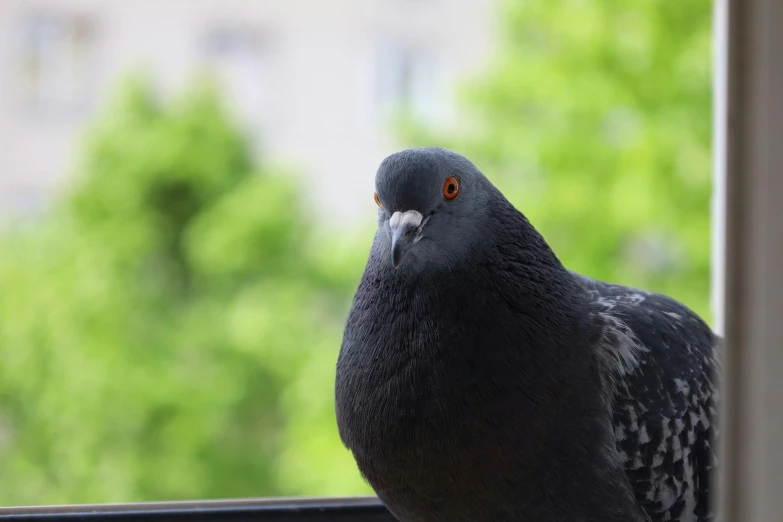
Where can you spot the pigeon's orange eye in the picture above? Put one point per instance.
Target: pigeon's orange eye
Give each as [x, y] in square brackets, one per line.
[377, 200]
[450, 188]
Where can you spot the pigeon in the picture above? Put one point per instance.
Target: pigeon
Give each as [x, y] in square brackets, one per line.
[480, 380]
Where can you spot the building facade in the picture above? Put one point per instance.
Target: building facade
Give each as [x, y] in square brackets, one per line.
[313, 81]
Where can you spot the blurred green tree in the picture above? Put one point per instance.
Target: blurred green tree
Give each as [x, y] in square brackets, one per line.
[594, 118]
[169, 330]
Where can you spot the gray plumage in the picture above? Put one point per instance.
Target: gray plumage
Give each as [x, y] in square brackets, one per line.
[480, 380]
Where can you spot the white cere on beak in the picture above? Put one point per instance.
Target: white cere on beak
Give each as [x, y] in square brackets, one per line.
[407, 219]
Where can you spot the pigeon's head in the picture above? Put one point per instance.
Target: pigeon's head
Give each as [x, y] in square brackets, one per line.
[432, 207]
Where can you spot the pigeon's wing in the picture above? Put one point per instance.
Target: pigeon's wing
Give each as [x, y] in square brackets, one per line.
[659, 363]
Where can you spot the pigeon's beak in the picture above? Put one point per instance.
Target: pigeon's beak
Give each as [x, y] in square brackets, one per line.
[403, 227]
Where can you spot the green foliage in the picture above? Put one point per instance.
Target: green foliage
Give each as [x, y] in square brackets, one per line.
[594, 119]
[168, 331]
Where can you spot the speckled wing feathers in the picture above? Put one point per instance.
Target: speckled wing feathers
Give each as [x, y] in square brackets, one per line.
[658, 362]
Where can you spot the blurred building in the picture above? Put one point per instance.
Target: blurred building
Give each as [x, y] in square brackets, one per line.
[313, 80]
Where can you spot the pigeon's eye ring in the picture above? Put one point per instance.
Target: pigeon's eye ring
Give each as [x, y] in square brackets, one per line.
[377, 200]
[450, 188]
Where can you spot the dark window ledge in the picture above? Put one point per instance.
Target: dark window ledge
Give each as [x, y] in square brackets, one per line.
[359, 509]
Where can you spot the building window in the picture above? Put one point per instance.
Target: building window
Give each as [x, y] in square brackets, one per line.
[20, 201]
[406, 80]
[55, 61]
[236, 58]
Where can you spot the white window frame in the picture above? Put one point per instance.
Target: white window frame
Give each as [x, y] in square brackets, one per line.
[749, 269]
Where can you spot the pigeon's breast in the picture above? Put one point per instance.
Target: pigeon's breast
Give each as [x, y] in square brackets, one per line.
[434, 394]
[472, 397]
[413, 355]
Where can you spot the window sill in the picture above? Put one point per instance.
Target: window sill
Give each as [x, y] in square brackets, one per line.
[358, 509]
